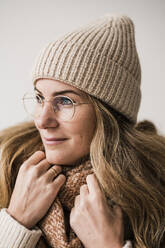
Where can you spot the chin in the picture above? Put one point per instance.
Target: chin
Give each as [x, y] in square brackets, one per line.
[58, 159]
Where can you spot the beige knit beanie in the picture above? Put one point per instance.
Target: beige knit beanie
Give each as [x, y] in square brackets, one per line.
[100, 59]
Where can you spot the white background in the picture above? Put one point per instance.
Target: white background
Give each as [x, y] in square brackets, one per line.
[27, 25]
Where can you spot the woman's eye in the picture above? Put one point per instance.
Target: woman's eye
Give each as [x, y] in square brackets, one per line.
[38, 99]
[64, 101]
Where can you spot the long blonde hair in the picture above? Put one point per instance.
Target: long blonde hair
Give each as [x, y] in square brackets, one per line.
[128, 160]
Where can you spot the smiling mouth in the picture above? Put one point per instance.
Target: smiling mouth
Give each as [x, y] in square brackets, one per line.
[54, 141]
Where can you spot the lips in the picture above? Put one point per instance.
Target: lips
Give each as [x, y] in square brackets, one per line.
[54, 140]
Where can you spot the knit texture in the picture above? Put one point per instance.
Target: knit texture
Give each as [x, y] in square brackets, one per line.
[57, 232]
[55, 226]
[100, 59]
[15, 235]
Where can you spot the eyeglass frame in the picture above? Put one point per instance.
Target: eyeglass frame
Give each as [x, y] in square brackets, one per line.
[48, 99]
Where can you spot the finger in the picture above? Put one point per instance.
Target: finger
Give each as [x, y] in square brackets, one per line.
[93, 185]
[53, 172]
[58, 183]
[84, 190]
[71, 217]
[35, 158]
[77, 201]
[44, 166]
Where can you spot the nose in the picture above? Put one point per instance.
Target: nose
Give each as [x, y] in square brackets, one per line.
[46, 118]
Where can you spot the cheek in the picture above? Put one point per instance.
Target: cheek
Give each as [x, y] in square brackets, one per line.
[40, 131]
[83, 130]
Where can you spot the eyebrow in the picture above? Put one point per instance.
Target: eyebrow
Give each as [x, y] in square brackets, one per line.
[59, 92]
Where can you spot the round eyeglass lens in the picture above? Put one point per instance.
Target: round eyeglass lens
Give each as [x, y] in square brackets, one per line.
[32, 104]
[63, 108]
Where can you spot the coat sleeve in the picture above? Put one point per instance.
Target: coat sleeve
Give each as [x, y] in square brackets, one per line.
[13, 234]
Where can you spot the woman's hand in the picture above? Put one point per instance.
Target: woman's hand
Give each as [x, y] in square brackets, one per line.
[93, 221]
[35, 189]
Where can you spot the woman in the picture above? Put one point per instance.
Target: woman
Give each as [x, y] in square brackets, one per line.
[83, 173]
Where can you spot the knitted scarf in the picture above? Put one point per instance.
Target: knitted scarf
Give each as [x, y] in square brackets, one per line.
[55, 227]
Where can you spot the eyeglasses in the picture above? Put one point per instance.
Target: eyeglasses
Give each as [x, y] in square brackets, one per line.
[63, 106]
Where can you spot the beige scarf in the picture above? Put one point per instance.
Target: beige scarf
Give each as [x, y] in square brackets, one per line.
[57, 232]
